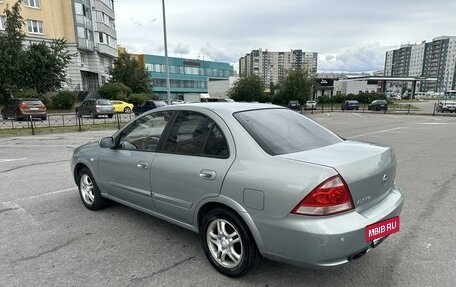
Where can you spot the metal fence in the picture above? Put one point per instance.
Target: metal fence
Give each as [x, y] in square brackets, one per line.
[65, 120]
[71, 120]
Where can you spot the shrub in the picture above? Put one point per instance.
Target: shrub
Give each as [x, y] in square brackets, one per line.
[64, 100]
[137, 99]
[115, 91]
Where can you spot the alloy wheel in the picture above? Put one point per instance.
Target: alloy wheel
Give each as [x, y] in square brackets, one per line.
[224, 242]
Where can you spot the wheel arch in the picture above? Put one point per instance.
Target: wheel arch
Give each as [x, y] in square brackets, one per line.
[224, 202]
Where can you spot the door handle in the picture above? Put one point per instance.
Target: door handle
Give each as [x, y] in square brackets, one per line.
[208, 174]
[143, 165]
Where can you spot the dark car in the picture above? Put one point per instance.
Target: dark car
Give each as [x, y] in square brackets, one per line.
[294, 105]
[147, 106]
[378, 105]
[350, 105]
[95, 108]
[21, 108]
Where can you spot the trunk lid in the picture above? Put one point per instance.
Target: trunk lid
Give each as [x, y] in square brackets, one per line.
[369, 170]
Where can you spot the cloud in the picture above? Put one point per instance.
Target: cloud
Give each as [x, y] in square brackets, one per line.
[347, 36]
[181, 50]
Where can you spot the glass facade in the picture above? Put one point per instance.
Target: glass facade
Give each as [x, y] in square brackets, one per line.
[186, 75]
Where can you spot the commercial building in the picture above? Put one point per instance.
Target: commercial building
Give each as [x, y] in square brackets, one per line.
[187, 76]
[436, 59]
[272, 67]
[88, 26]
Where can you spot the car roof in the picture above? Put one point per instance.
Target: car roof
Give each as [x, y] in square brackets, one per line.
[226, 107]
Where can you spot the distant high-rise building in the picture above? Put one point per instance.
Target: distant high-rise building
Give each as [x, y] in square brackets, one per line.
[88, 26]
[436, 59]
[271, 67]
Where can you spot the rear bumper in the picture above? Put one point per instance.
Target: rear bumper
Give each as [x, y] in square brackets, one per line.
[324, 241]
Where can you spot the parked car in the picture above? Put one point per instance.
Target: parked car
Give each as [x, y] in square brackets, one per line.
[122, 107]
[147, 106]
[294, 105]
[311, 105]
[252, 179]
[378, 105]
[446, 106]
[95, 108]
[350, 105]
[23, 108]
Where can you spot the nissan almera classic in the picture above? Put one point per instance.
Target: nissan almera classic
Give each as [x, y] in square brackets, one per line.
[254, 180]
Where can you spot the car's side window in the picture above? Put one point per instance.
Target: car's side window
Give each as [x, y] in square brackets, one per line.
[144, 133]
[196, 134]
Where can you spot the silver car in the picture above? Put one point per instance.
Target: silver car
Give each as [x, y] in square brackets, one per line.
[252, 179]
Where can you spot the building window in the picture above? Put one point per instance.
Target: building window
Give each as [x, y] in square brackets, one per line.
[2, 22]
[100, 37]
[33, 3]
[109, 3]
[35, 27]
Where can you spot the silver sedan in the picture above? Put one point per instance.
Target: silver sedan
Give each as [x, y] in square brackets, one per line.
[254, 180]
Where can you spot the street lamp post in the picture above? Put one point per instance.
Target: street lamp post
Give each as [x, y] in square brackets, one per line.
[168, 88]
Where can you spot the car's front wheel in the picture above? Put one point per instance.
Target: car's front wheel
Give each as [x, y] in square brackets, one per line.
[127, 110]
[227, 243]
[89, 192]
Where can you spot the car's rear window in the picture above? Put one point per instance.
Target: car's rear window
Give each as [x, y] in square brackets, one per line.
[104, 102]
[282, 131]
[32, 102]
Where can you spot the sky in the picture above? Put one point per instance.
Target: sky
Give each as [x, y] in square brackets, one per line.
[349, 35]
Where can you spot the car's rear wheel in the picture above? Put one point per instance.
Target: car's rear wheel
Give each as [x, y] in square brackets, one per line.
[4, 117]
[127, 110]
[89, 192]
[110, 116]
[227, 243]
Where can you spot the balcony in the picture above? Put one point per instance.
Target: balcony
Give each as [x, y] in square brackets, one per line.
[85, 44]
[86, 22]
[107, 50]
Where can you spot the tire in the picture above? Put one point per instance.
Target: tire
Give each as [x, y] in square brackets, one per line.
[4, 117]
[219, 226]
[93, 116]
[127, 110]
[89, 192]
[44, 118]
[110, 116]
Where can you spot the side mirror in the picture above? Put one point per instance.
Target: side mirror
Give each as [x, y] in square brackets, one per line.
[107, 142]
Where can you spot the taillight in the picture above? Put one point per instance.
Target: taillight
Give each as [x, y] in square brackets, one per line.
[23, 106]
[330, 197]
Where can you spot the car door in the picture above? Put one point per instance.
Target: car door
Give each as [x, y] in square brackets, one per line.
[125, 169]
[195, 159]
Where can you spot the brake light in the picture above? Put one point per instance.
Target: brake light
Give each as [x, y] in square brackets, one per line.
[330, 197]
[23, 106]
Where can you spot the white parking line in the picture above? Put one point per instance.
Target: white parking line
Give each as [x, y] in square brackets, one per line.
[47, 194]
[21, 212]
[358, 115]
[10, 159]
[389, 116]
[377, 132]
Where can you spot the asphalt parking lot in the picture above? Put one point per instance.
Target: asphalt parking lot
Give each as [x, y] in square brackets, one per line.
[48, 238]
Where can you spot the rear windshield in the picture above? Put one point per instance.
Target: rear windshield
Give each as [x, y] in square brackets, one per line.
[104, 102]
[32, 102]
[282, 131]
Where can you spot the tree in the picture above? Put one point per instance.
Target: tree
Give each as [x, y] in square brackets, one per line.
[248, 89]
[11, 52]
[40, 67]
[129, 71]
[297, 85]
[45, 66]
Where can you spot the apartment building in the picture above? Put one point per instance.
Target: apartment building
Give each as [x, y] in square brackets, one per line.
[88, 27]
[436, 59]
[272, 67]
